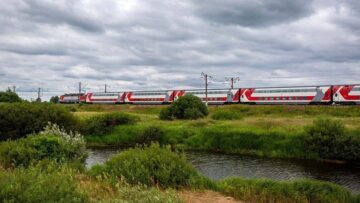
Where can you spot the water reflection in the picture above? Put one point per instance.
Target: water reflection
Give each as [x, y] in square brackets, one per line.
[219, 166]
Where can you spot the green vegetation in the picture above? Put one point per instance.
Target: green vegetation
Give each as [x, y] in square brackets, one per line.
[151, 166]
[20, 119]
[48, 166]
[225, 114]
[271, 143]
[54, 183]
[186, 107]
[37, 185]
[239, 129]
[263, 190]
[331, 140]
[104, 123]
[51, 144]
[54, 99]
[9, 96]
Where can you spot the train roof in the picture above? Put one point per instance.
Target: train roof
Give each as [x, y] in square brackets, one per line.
[212, 89]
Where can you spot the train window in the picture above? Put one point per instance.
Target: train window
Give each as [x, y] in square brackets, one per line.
[356, 89]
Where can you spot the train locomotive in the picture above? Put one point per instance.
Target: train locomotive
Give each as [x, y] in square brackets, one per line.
[304, 95]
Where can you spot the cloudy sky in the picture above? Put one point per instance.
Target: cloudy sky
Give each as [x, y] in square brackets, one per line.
[163, 44]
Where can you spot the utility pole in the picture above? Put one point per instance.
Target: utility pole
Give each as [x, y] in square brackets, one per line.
[14, 88]
[232, 80]
[206, 76]
[105, 88]
[39, 95]
[79, 92]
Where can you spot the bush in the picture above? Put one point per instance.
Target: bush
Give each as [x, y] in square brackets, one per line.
[263, 190]
[186, 107]
[225, 114]
[51, 144]
[149, 135]
[35, 185]
[149, 166]
[331, 140]
[20, 119]
[54, 99]
[104, 123]
[9, 96]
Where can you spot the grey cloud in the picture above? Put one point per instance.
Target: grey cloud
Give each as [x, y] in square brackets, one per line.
[154, 44]
[49, 12]
[253, 13]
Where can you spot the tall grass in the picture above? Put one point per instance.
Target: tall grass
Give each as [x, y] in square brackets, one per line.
[225, 114]
[152, 166]
[40, 185]
[263, 190]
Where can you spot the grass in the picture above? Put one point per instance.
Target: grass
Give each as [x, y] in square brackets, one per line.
[272, 131]
[150, 174]
[264, 190]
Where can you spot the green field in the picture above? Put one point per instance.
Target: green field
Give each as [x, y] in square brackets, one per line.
[47, 165]
[273, 131]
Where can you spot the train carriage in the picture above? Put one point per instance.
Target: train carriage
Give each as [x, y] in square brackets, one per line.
[71, 98]
[104, 98]
[149, 97]
[287, 95]
[346, 94]
[216, 96]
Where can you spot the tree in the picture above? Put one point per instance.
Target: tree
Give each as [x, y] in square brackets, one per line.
[9, 96]
[54, 99]
[186, 107]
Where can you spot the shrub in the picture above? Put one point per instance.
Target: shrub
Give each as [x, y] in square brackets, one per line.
[35, 185]
[20, 119]
[149, 166]
[225, 114]
[54, 99]
[186, 107]
[263, 190]
[331, 140]
[51, 144]
[104, 123]
[149, 135]
[9, 96]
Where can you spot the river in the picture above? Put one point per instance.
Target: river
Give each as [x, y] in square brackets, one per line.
[218, 166]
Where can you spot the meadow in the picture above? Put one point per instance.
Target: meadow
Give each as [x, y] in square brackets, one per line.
[40, 164]
[271, 131]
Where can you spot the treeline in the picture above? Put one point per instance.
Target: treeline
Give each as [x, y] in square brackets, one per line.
[9, 96]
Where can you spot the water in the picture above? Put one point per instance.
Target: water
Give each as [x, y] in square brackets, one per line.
[218, 166]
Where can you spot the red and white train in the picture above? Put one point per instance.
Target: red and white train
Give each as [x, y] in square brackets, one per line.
[327, 94]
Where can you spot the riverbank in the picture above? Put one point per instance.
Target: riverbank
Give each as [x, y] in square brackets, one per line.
[269, 131]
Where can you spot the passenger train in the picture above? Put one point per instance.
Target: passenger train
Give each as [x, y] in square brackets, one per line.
[305, 95]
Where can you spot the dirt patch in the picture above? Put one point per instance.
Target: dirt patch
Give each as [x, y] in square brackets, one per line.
[205, 197]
